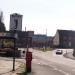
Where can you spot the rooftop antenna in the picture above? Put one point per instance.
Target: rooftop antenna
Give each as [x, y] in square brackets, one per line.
[46, 31]
[25, 28]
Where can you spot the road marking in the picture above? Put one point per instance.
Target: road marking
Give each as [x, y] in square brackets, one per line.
[39, 63]
[54, 67]
[65, 73]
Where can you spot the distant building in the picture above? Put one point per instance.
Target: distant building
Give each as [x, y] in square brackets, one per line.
[16, 22]
[64, 39]
[30, 33]
[39, 40]
[50, 41]
[2, 27]
[24, 37]
[21, 38]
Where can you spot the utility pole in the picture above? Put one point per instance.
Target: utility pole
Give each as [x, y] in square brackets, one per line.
[25, 29]
[46, 40]
[15, 36]
[14, 57]
[46, 31]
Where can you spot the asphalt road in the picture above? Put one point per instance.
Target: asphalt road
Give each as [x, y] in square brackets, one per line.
[56, 65]
[41, 69]
[48, 63]
[51, 68]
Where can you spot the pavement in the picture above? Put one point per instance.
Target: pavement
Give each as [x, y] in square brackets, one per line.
[69, 55]
[6, 65]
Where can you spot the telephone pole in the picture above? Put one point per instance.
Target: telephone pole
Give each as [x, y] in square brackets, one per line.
[46, 31]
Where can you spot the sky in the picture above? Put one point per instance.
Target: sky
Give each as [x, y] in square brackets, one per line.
[41, 16]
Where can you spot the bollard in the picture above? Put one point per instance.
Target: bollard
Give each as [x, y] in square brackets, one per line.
[28, 61]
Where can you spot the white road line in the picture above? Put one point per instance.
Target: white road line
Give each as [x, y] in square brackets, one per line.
[65, 73]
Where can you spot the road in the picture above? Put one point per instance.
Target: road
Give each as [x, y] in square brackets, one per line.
[41, 69]
[48, 63]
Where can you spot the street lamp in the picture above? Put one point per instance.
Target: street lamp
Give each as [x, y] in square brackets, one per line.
[14, 50]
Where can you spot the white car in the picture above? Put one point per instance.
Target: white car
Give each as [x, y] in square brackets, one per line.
[59, 51]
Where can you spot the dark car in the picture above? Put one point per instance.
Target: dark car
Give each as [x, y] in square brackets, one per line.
[59, 52]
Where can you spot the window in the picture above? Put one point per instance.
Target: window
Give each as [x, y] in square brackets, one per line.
[16, 23]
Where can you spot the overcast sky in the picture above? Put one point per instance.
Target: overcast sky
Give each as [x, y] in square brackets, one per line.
[39, 15]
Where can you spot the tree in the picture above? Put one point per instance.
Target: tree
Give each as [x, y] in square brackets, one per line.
[2, 26]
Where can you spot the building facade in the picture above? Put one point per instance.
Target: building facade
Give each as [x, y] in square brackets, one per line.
[41, 41]
[64, 39]
[22, 38]
[16, 22]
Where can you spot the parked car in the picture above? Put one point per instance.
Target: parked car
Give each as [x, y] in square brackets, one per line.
[59, 51]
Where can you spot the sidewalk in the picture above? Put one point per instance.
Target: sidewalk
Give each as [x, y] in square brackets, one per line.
[69, 55]
[6, 67]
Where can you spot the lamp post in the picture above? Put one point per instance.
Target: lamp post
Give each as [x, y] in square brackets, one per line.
[15, 36]
[14, 50]
[14, 58]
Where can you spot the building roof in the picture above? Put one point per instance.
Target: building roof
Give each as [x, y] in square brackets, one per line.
[41, 38]
[16, 14]
[66, 33]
